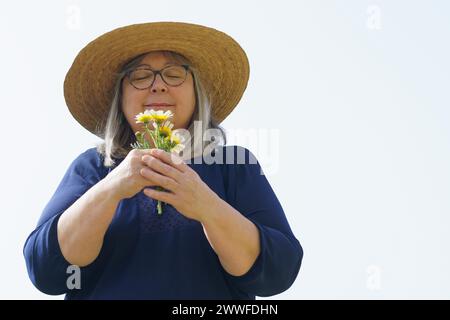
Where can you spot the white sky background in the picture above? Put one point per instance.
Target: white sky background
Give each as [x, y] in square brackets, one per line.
[359, 96]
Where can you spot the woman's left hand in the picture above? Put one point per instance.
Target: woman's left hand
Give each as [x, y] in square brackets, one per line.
[187, 191]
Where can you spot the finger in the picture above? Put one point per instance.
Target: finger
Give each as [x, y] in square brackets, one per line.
[150, 183]
[143, 152]
[161, 167]
[170, 158]
[167, 197]
[158, 179]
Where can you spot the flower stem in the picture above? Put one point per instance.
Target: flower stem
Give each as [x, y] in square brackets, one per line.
[157, 136]
[150, 134]
[159, 206]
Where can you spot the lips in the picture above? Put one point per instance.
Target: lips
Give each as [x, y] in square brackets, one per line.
[159, 104]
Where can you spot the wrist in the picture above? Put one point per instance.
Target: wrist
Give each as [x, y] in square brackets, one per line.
[212, 210]
[108, 190]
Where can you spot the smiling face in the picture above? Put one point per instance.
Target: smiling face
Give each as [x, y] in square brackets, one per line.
[181, 98]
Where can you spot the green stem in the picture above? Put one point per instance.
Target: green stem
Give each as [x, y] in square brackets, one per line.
[156, 142]
[157, 136]
[159, 206]
[150, 134]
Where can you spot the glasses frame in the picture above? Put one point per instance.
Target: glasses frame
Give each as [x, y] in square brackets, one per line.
[155, 73]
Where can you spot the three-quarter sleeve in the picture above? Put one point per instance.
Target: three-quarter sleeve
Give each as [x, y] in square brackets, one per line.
[249, 192]
[46, 266]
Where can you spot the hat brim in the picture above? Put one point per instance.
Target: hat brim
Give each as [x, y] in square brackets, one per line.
[222, 64]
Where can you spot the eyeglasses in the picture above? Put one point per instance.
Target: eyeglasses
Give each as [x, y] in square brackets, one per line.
[143, 76]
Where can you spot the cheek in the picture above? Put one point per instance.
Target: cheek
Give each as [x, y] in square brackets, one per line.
[188, 105]
[130, 99]
[128, 107]
[127, 98]
[190, 97]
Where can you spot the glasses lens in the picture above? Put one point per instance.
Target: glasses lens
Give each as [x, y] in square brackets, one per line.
[141, 78]
[174, 75]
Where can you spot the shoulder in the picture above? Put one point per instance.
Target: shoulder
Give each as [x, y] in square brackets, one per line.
[236, 155]
[238, 161]
[90, 157]
[242, 173]
[89, 163]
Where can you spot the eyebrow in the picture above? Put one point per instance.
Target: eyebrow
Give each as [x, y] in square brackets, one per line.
[147, 65]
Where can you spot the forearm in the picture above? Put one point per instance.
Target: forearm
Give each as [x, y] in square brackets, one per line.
[233, 237]
[81, 228]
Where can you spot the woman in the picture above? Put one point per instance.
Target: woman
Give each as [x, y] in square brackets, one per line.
[223, 233]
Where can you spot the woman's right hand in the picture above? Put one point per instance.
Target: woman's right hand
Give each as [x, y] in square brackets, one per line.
[126, 179]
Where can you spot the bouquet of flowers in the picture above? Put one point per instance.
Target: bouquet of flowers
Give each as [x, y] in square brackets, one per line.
[162, 135]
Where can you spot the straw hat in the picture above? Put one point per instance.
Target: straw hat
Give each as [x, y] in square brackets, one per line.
[223, 66]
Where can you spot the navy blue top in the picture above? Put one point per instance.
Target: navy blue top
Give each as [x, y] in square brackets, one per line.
[146, 256]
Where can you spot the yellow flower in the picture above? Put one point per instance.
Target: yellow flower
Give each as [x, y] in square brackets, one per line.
[165, 129]
[176, 142]
[159, 116]
[144, 117]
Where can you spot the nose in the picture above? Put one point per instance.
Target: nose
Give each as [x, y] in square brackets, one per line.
[158, 84]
